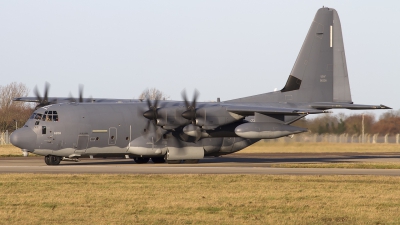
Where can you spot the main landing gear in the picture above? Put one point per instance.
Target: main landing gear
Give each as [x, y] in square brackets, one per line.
[52, 160]
[141, 160]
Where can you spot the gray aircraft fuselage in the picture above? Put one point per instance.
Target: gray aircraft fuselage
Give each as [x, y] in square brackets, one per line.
[107, 129]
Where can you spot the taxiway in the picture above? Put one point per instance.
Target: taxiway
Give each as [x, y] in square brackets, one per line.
[230, 164]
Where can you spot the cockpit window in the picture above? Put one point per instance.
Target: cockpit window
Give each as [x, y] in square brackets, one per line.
[38, 116]
[33, 116]
[48, 116]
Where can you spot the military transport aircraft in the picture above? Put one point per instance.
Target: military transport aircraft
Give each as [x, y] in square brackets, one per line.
[174, 131]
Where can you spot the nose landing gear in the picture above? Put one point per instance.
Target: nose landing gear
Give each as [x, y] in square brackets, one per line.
[52, 160]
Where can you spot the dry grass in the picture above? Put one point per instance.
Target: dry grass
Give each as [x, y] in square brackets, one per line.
[271, 147]
[198, 199]
[9, 150]
[350, 165]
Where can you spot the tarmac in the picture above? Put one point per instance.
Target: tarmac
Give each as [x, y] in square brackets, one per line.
[242, 163]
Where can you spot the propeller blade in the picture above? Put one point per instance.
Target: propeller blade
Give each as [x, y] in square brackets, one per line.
[71, 98]
[183, 93]
[37, 94]
[146, 129]
[46, 92]
[80, 93]
[195, 96]
[190, 113]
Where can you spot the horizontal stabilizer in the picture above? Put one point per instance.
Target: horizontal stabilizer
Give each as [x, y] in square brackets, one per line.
[330, 105]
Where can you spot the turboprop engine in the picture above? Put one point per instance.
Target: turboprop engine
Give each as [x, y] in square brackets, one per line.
[267, 130]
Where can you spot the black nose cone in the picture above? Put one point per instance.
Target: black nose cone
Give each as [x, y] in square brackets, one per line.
[24, 138]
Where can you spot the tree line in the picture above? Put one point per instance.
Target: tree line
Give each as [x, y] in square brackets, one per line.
[387, 123]
[13, 113]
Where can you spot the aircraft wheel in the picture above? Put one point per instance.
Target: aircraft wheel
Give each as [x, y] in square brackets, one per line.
[47, 160]
[173, 161]
[52, 160]
[158, 159]
[191, 161]
[141, 160]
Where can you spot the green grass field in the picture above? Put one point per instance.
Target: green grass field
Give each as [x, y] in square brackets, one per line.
[198, 199]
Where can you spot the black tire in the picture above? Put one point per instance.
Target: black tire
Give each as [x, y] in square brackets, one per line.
[174, 161]
[52, 160]
[158, 159]
[47, 160]
[141, 160]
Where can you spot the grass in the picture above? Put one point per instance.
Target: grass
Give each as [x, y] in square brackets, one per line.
[350, 165]
[198, 199]
[9, 150]
[274, 147]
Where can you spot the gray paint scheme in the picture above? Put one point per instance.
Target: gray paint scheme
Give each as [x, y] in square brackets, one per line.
[321, 68]
[175, 131]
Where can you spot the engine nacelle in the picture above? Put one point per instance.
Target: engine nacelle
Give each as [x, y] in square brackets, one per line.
[170, 118]
[212, 117]
[266, 130]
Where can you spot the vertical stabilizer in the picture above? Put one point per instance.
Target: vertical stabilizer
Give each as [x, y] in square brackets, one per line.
[320, 71]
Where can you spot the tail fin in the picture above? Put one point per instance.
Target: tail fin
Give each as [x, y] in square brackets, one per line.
[320, 71]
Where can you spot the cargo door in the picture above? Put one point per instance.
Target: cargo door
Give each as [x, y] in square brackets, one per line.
[82, 145]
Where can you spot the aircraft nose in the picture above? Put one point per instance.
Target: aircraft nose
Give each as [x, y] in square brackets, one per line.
[23, 138]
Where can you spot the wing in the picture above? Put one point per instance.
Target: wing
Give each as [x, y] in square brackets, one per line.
[245, 110]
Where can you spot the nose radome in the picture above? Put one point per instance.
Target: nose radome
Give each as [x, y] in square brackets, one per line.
[23, 138]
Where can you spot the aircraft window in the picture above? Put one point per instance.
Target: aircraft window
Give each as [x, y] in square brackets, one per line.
[97, 138]
[44, 118]
[33, 116]
[49, 118]
[37, 122]
[55, 117]
[43, 129]
[54, 112]
[45, 112]
[112, 137]
[50, 112]
[38, 116]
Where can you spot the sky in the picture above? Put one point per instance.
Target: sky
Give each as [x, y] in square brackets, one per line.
[226, 49]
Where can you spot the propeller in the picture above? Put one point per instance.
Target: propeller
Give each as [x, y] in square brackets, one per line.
[190, 113]
[43, 101]
[80, 99]
[151, 115]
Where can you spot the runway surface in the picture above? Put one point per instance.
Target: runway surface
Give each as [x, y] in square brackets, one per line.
[230, 164]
